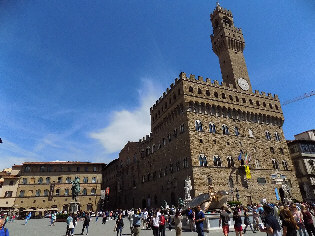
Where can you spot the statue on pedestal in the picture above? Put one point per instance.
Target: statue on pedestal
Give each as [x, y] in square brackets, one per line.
[187, 188]
[75, 188]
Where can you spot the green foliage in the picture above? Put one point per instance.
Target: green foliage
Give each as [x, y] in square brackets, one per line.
[62, 216]
[234, 203]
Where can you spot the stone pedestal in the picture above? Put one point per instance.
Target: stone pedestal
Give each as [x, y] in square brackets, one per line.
[74, 207]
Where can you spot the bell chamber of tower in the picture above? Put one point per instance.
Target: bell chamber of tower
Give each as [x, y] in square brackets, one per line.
[228, 44]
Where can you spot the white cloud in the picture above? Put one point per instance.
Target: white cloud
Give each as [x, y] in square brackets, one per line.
[129, 125]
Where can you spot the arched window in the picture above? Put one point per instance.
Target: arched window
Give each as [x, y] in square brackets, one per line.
[216, 94]
[27, 169]
[93, 191]
[285, 165]
[199, 91]
[84, 192]
[277, 136]
[203, 160]
[22, 192]
[57, 192]
[272, 150]
[268, 136]
[46, 192]
[217, 161]
[225, 129]
[230, 161]
[40, 180]
[207, 92]
[48, 180]
[191, 89]
[212, 128]
[223, 95]
[275, 164]
[198, 124]
[37, 194]
[42, 169]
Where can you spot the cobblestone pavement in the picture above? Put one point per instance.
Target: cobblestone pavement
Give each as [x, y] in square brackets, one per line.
[40, 227]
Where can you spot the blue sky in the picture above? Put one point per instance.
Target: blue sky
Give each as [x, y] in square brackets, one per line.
[78, 77]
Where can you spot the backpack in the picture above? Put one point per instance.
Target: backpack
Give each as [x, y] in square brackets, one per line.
[162, 220]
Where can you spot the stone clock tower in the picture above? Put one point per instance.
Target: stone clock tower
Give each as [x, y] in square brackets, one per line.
[228, 44]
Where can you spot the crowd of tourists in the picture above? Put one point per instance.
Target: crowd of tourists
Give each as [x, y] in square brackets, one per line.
[275, 220]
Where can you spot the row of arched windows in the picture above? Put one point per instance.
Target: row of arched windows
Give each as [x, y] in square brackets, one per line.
[38, 192]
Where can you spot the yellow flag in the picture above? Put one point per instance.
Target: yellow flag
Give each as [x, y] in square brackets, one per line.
[247, 171]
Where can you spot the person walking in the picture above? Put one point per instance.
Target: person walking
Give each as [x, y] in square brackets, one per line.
[191, 219]
[70, 226]
[162, 224]
[237, 223]
[119, 225]
[289, 224]
[178, 223]
[308, 221]
[200, 217]
[86, 223]
[272, 226]
[224, 221]
[3, 231]
[155, 224]
[136, 222]
[298, 216]
[247, 221]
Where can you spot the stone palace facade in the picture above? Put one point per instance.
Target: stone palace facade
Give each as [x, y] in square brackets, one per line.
[210, 132]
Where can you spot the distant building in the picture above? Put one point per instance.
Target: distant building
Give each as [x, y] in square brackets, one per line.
[9, 187]
[209, 132]
[302, 151]
[47, 185]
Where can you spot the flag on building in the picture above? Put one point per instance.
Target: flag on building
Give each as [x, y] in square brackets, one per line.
[247, 171]
[240, 156]
[246, 158]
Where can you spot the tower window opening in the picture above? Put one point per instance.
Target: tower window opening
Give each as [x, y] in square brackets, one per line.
[285, 165]
[243, 99]
[281, 151]
[276, 107]
[231, 98]
[207, 92]
[272, 150]
[264, 104]
[236, 99]
[270, 105]
[275, 164]
[199, 91]
[223, 95]
[250, 102]
[216, 94]
[257, 103]
[191, 89]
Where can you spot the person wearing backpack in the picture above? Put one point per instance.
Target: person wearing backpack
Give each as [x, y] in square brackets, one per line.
[224, 221]
[86, 223]
[119, 225]
[162, 224]
[3, 231]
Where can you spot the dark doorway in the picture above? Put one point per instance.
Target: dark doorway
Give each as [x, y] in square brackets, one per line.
[281, 192]
[144, 203]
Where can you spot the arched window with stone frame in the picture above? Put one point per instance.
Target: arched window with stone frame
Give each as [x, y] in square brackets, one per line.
[277, 136]
[84, 192]
[230, 161]
[275, 164]
[217, 161]
[198, 125]
[203, 160]
[268, 136]
[212, 128]
[225, 129]
[237, 133]
[285, 165]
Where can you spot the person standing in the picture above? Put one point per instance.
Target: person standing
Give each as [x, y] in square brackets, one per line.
[86, 223]
[298, 216]
[3, 231]
[155, 224]
[237, 223]
[272, 227]
[178, 223]
[119, 225]
[199, 219]
[224, 221]
[70, 226]
[136, 222]
[308, 221]
[191, 219]
[247, 221]
[162, 224]
[288, 223]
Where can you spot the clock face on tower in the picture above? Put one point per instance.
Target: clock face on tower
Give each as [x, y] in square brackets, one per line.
[243, 84]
